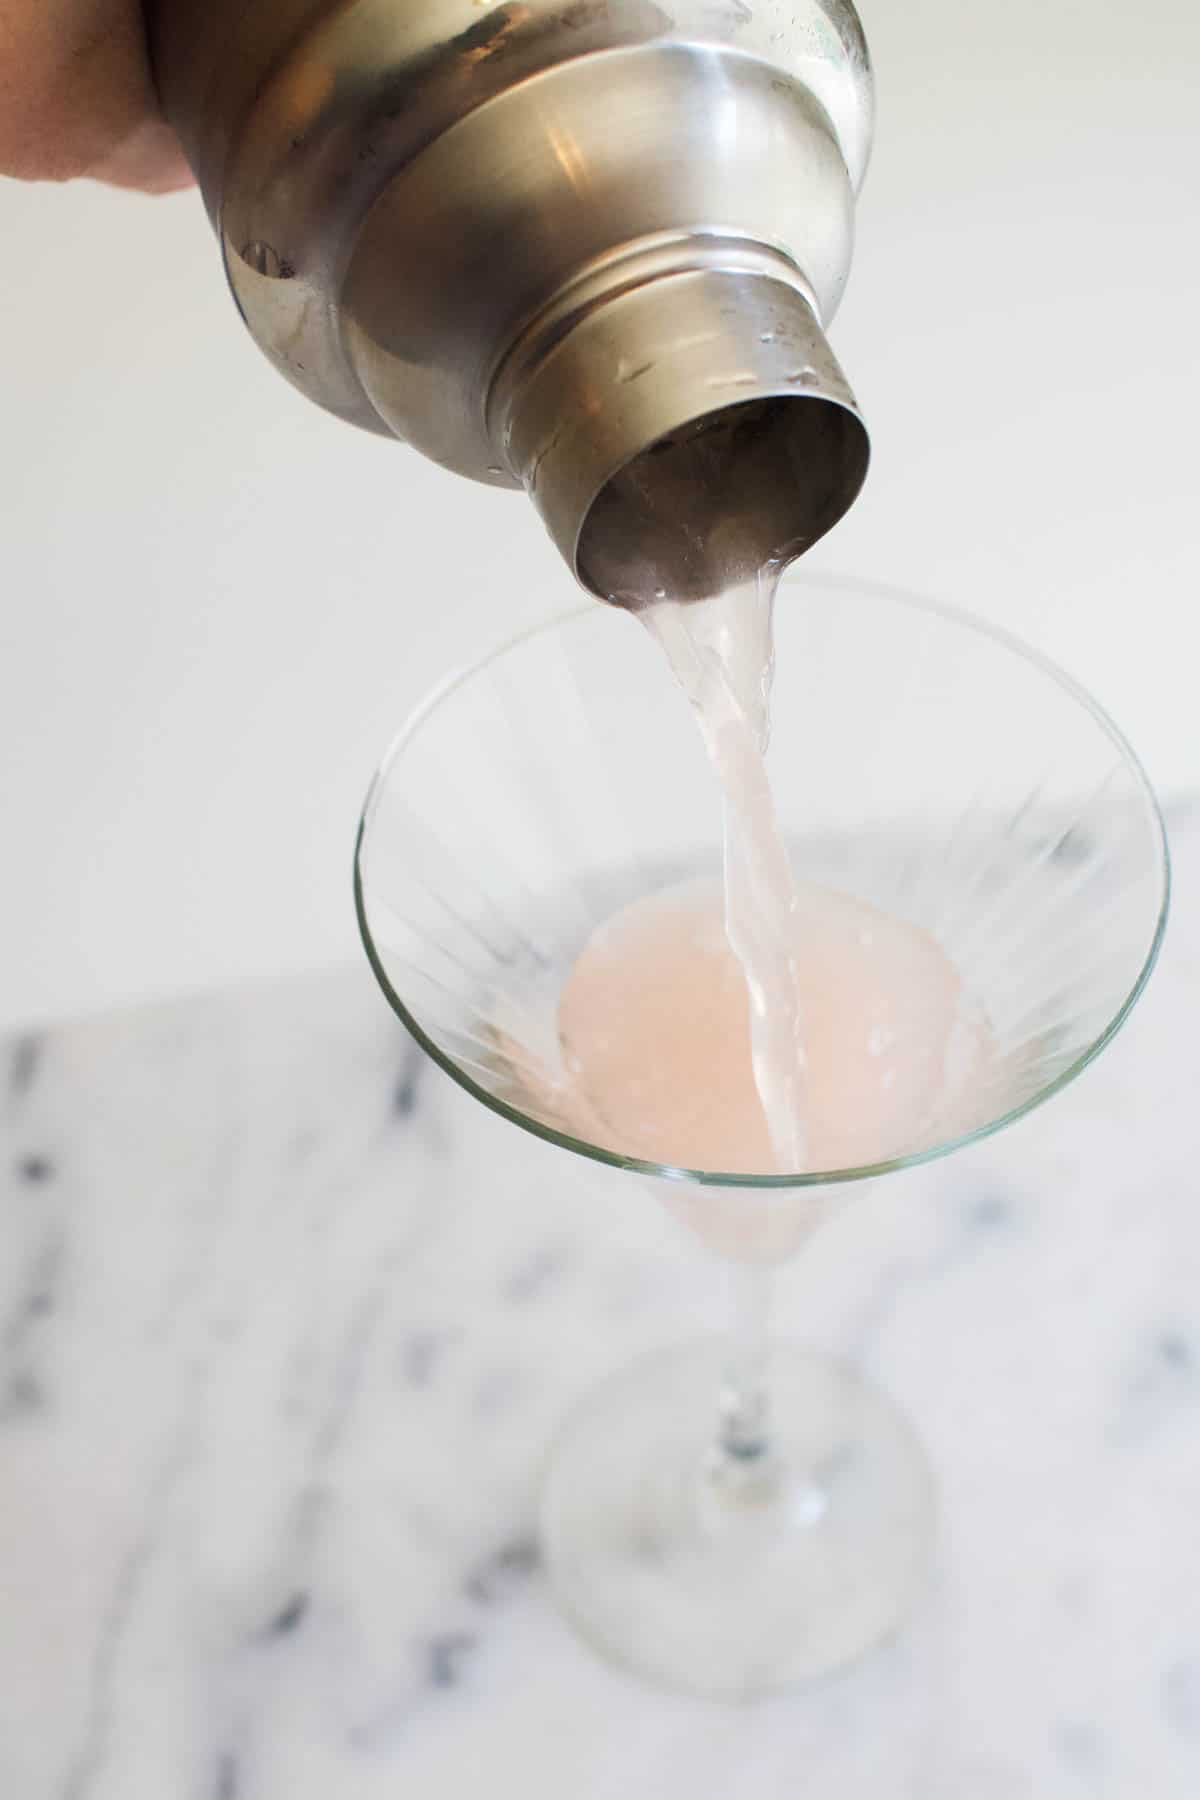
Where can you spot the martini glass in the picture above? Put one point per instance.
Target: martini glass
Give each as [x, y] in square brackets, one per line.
[734, 1518]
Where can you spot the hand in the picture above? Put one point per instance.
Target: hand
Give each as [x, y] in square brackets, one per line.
[76, 97]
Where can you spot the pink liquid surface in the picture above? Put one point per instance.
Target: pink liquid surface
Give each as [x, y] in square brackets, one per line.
[655, 1025]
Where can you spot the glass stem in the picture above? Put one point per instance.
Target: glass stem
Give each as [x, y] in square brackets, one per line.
[743, 1428]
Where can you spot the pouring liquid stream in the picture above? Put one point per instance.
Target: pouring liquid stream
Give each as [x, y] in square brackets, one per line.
[721, 652]
[765, 1025]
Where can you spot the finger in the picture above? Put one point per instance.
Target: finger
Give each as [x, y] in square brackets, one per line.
[76, 95]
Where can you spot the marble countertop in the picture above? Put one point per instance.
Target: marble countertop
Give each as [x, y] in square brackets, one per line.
[286, 1322]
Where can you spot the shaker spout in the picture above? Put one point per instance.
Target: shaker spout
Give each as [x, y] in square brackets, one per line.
[688, 431]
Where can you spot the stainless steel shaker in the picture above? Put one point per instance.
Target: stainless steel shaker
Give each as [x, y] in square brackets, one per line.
[584, 247]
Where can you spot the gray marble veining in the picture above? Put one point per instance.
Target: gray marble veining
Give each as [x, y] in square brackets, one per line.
[287, 1323]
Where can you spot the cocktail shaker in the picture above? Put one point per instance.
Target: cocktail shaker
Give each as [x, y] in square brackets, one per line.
[583, 247]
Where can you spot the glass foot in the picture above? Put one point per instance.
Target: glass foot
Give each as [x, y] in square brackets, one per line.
[732, 1578]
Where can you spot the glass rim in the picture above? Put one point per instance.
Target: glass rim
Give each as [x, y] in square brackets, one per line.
[614, 1159]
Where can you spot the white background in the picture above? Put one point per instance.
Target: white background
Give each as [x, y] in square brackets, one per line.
[216, 604]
